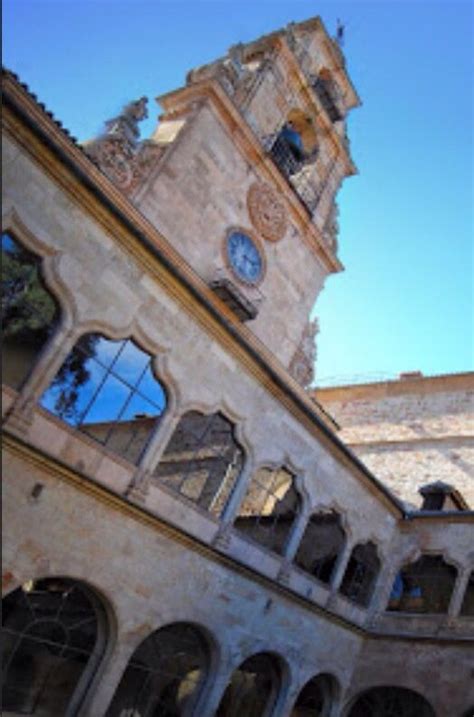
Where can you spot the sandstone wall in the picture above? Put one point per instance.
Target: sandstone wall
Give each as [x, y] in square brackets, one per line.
[410, 432]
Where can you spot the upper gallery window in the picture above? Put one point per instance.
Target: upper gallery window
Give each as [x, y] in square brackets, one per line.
[327, 92]
[423, 586]
[108, 390]
[362, 569]
[321, 545]
[269, 508]
[202, 460]
[29, 312]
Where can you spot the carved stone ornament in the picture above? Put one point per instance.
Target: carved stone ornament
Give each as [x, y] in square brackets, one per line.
[267, 213]
[118, 153]
[302, 363]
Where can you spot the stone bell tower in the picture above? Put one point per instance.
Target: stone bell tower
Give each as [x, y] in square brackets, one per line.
[241, 176]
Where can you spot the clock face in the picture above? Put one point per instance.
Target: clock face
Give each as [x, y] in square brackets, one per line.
[245, 258]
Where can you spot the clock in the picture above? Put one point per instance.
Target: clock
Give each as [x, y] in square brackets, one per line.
[245, 258]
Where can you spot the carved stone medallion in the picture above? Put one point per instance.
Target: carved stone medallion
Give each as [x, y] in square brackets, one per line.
[267, 213]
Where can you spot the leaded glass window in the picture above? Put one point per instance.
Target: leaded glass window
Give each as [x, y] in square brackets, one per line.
[52, 631]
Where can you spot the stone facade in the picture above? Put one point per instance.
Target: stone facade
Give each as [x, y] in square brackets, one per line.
[410, 432]
[197, 533]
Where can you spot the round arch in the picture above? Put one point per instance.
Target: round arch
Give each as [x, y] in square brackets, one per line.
[389, 700]
[55, 632]
[254, 687]
[166, 674]
[317, 698]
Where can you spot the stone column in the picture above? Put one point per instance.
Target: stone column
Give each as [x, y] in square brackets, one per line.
[109, 680]
[340, 569]
[238, 492]
[138, 487]
[43, 372]
[295, 537]
[459, 591]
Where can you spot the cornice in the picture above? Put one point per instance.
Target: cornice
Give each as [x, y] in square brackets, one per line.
[67, 164]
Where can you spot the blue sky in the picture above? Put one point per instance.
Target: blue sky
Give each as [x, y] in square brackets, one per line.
[405, 300]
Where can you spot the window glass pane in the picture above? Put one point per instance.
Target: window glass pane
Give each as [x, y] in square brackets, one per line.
[202, 460]
[269, 508]
[130, 363]
[29, 312]
[107, 389]
[49, 635]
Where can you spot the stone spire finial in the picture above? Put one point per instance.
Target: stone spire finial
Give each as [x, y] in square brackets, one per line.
[125, 125]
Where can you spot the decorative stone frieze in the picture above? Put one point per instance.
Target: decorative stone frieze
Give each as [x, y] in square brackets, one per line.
[267, 213]
[118, 153]
[302, 363]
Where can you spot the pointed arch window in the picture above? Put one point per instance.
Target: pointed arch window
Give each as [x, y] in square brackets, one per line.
[53, 638]
[108, 390]
[30, 313]
[202, 460]
[270, 506]
[321, 545]
[424, 586]
[361, 573]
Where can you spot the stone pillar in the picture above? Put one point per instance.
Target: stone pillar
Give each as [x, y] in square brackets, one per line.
[339, 572]
[382, 591]
[459, 591]
[50, 361]
[238, 492]
[102, 695]
[296, 534]
[157, 444]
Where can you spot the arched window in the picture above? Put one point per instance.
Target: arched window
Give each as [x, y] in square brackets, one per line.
[107, 390]
[53, 637]
[362, 569]
[424, 586]
[202, 460]
[391, 701]
[253, 688]
[317, 697]
[295, 144]
[321, 545]
[269, 508]
[468, 601]
[328, 94]
[165, 674]
[29, 312]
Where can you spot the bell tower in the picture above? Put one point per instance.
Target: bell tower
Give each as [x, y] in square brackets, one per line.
[241, 176]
